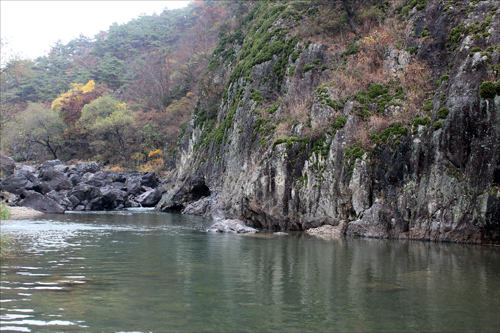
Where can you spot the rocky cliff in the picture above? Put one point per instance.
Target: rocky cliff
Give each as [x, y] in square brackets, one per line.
[393, 132]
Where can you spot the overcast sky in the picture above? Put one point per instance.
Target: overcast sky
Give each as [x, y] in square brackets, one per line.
[31, 27]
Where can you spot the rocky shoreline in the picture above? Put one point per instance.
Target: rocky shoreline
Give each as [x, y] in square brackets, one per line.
[54, 187]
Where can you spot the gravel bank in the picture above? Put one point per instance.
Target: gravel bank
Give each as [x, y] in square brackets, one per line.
[17, 213]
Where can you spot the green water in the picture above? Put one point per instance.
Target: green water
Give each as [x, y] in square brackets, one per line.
[149, 271]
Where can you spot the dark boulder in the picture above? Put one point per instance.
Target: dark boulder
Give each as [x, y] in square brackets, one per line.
[113, 197]
[41, 203]
[84, 192]
[98, 179]
[149, 180]
[104, 178]
[133, 185]
[96, 204]
[42, 187]
[7, 165]
[56, 179]
[59, 198]
[17, 184]
[74, 201]
[74, 178]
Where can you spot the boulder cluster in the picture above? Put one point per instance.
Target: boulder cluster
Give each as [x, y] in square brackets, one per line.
[54, 187]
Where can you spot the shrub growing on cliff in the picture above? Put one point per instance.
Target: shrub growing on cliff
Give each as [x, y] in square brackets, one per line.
[376, 89]
[437, 125]
[489, 89]
[443, 113]
[427, 106]
[339, 123]
[419, 121]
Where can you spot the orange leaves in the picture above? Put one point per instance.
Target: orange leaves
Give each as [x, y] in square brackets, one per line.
[373, 47]
[72, 102]
[77, 87]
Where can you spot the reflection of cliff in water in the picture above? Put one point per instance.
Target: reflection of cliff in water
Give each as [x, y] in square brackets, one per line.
[156, 271]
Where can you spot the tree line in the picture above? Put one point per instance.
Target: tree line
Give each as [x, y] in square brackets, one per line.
[118, 97]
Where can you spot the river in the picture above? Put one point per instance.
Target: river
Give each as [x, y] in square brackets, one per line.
[150, 271]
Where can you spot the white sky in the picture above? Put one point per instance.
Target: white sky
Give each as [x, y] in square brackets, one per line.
[31, 27]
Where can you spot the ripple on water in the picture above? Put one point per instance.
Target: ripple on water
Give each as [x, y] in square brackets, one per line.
[32, 322]
[15, 328]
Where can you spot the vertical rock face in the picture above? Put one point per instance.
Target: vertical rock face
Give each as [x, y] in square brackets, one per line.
[437, 181]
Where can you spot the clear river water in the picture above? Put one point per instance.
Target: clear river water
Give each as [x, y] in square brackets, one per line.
[150, 271]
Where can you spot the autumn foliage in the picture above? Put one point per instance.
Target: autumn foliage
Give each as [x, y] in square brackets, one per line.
[71, 103]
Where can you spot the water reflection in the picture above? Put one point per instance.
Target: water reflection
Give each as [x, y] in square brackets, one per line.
[160, 272]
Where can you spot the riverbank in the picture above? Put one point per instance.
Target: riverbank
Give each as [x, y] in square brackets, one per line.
[17, 213]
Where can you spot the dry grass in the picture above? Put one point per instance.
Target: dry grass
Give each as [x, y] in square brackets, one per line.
[357, 72]
[378, 124]
[361, 136]
[115, 168]
[283, 129]
[155, 165]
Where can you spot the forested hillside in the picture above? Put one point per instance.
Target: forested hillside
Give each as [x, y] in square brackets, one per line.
[152, 63]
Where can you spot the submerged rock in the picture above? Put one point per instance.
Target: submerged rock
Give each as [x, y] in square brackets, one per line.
[329, 231]
[233, 226]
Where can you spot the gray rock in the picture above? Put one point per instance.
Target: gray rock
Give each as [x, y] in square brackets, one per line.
[74, 178]
[42, 187]
[41, 203]
[96, 204]
[56, 179]
[200, 207]
[61, 168]
[133, 186]
[50, 164]
[74, 200]
[7, 165]
[84, 192]
[17, 184]
[83, 168]
[112, 197]
[149, 180]
[149, 198]
[23, 168]
[233, 226]
[79, 208]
